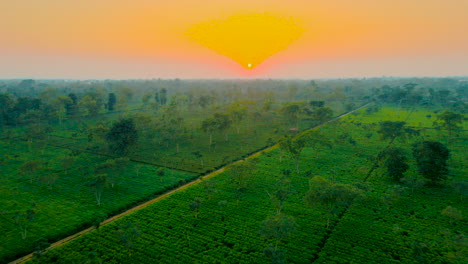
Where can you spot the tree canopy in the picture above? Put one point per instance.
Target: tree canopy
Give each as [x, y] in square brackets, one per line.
[121, 136]
[431, 159]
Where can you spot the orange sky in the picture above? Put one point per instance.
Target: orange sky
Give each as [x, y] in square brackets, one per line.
[147, 39]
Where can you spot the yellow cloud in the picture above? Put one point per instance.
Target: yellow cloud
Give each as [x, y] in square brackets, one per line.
[247, 39]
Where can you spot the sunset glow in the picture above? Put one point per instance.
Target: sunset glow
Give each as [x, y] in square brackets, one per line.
[219, 39]
[247, 39]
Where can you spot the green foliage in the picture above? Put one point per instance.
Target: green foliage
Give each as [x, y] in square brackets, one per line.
[30, 169]
[395, 129]
[98, 183]
[413, 181]
[241, 173]
[460, 187]
[331, 195]
[316, 140]
[225, 231]
[431, 159]
[122, 136]
[395, 162]
[322, 114]
[41, 245]
[282, 191]
[113, 169]
[195, 206]
[292, 111]
[293, 145]
[277, 227]
[449, 120]
[111, 102]
[127, 234]
[23, 219]
[453, 213]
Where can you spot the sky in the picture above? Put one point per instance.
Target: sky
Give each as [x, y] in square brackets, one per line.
[133, 39]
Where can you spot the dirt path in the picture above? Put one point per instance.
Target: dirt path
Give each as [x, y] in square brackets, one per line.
[162, 196]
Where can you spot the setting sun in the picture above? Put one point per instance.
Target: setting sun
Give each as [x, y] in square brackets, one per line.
[247, 39]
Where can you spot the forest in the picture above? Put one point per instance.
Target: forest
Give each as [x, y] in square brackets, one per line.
[234, 171]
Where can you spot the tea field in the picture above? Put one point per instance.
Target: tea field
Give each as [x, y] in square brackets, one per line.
[63, 201]
[220, 221]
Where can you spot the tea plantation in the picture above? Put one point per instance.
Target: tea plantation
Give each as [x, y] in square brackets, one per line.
[223, 218]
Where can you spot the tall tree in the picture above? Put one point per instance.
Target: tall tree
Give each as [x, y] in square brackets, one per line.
[240, 174]
[41, 246]
[71, 106]
[113, 169]
[160, 172]
[195, 206]
[282, 191]
[163, 96]
[6, 105]
[98, 183]
[453, 213]
[23, 220]
[157, 97]
[30, 169]
[292, 112]
[60, 103]
[218, 122]
[67, 162]
[450, 121]
[236, 114]
[92, 102]
[127, 234]
[322, 114]
[277, 228]
[431, 159]
[317, 140]
[209, 125]
[395, 129]
[223, 123]
[293, 145]
[460, 187]
[331, 195]
[125, 94]
[122, 135]
[111, 102]
[395, 162]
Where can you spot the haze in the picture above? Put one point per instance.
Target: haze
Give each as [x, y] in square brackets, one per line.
[147, 39]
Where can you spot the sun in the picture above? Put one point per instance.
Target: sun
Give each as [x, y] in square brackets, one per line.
[248, 39]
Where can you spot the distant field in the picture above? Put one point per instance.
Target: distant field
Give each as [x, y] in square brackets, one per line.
[419, 117]
[190, 151]
[380, 227]
[180, 154]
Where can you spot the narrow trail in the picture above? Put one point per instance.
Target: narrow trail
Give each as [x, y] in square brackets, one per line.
[183, 187]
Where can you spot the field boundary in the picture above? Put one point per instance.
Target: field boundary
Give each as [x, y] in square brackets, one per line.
[180, 188]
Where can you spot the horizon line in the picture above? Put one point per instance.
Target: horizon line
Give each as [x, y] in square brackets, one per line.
[232, 78]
